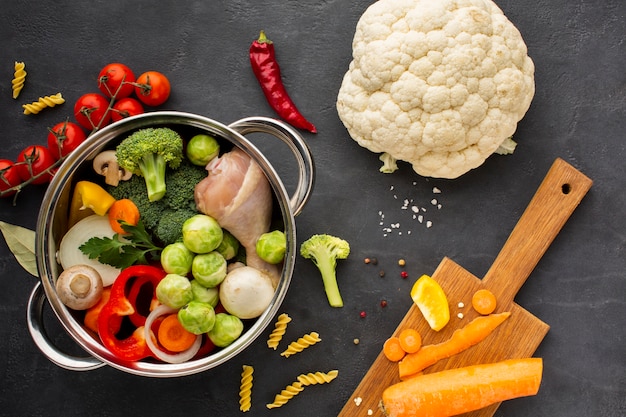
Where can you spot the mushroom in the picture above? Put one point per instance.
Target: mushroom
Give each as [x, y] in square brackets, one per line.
[105, 163]
[79, 287]
[246, 292]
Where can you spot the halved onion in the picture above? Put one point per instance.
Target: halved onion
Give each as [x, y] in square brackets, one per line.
[180, 357]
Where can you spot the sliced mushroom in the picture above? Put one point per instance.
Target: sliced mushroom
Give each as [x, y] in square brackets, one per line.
[105, 163]
[79, 287]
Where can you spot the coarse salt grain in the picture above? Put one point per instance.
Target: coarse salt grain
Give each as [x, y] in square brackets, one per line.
[429, 224]
[433, 201]
[460, 315]
[436, 190]
[358, 401]
[461, 305]
[370, 412]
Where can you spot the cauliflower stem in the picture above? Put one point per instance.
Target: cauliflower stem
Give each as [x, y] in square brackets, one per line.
[324, 250]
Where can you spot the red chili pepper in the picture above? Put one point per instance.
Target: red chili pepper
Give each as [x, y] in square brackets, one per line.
[133, 347]
[267, 72]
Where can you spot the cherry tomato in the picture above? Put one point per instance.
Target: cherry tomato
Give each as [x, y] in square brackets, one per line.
[65, 137]
[116, 80]
[153, 88]
[40, 159]
[9, 177]
[126, 107]
[91, 111]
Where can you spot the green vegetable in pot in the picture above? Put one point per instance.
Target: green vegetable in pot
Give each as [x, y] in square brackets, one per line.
[229, 246]
[148, 152]
[205, 295]
[176, 259]
[209, 269]
[202, 148]
[197, 317]
[174, 291]
[324, 250]
[226, 330]
[202, 233]
[271, 246]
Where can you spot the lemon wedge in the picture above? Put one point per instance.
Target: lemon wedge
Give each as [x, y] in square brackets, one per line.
[430, 298]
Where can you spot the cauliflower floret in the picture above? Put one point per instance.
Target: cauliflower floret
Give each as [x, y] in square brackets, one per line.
[439, 84]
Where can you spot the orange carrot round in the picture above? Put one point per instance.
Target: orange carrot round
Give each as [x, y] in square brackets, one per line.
[173, 336]
[91, 314]
[484, 302]
[123, 210]
[393, 350]
[410, 340]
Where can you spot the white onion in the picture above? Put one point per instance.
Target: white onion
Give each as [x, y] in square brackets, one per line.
[180, 357]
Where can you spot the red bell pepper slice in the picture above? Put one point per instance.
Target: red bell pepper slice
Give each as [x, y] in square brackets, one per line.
[133, 347]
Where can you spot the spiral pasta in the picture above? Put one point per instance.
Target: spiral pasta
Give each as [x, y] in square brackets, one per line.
[245, 389]
[43, 102]
[286, 394]
[301, 344]
[317, 377]
[279, 330]
[19, 77]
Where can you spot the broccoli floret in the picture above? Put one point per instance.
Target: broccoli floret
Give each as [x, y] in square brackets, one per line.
[135, 189]
[324, 250]
[148, 152]
[170, 226]
[180, 184]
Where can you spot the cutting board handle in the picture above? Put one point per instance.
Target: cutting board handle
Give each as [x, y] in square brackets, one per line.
[556, 199]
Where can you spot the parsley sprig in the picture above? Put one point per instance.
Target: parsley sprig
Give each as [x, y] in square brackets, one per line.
[122, 251]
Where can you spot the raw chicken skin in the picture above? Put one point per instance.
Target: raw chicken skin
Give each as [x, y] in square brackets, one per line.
[237, 194]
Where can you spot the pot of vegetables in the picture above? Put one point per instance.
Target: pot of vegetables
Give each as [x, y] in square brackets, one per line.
[166, 243]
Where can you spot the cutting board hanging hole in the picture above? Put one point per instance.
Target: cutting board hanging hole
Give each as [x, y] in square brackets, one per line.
[566, 188]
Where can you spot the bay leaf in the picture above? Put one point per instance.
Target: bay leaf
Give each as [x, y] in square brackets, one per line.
[21, 242]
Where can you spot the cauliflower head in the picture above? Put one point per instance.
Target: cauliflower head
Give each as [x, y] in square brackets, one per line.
[439, 84]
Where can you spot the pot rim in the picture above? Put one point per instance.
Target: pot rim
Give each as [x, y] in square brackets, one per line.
[46, 246]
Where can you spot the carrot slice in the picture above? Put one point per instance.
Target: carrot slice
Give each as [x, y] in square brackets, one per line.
[173, 336]
[393, 350]
[91, 315]
[410, 340]
[484, 302]
[123, 210]
[461, 390]
[463, 338]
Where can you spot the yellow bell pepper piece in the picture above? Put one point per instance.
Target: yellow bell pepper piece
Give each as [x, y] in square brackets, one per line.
[89, 198]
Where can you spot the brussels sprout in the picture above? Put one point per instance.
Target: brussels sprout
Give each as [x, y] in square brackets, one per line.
[197, 317]
[229, 246]
[202, 233]
[271, 246]
[174, 291]
[204, 294]
[176, 259]
[201, 149]
[226, 330]
[209, 269]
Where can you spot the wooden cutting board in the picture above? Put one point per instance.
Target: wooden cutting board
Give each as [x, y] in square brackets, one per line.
[558, 195]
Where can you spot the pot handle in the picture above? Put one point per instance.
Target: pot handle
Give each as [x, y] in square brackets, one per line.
[297, 145]
[34, 317]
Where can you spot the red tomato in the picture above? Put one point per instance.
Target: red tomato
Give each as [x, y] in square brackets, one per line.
[126, 107]
[9, 177]
[65, 137]
[91, 111]
[153, 88]
[40, 159]
[116, 80]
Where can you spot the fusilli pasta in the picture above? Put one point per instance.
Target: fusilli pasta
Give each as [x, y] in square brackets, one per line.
[245, 389]
[43, 102]
[19, 77]
[317, 377]
[286, 394]
[279, 330]
[301, 344]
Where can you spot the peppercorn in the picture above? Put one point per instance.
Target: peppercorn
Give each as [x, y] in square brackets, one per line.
[404, 274]
[362, 314]
[383, 303]
[374, 261]
[401, 262]
[381, 273]
[367, 260]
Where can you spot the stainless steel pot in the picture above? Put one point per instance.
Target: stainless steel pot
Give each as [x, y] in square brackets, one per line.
[51, 227]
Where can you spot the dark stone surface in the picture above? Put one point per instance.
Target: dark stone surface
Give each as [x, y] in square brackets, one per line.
[578, 113]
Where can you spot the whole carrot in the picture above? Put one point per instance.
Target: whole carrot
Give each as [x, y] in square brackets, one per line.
[461, 390]
[463, 338]
[267, 71]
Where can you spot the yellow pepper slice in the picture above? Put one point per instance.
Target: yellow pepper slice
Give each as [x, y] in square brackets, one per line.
[89, 198]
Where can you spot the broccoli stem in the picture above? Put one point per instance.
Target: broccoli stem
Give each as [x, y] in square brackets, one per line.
[152, 168]
[327, 268]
